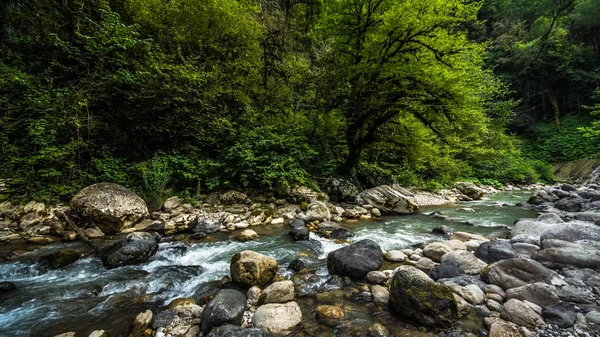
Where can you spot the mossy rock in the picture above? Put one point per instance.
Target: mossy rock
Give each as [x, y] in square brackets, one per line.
[416, 296]
[62, 258]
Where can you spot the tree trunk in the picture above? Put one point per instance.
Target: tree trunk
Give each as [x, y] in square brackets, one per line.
[554, 102]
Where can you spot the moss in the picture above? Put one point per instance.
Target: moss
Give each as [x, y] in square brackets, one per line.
[63, 258]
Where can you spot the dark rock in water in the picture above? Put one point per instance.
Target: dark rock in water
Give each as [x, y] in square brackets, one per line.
[206, 291]
[198, 236]
[313, 245]
[496, 250]
[297, 223]
[229, 330]
[572, 204]
[6, 287]
[465, 280]
[62, 258]
[135, 248]
[299, 232]
[206, 226]
[226, 307]
[356, 260]
[442, 230]
[178, 274]
[563, 314]
[414, 295]
[296, 265]
[164, 319]
[446, 269]
[568, 188]
[341, 233]
[110, 206]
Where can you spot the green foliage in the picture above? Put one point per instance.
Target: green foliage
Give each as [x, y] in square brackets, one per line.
[155, 174]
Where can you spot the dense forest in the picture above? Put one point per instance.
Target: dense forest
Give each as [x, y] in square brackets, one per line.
[194, 96]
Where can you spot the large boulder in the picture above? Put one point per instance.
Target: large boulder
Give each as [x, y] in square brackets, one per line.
[278, 292]
[562, 314]
[234, 197]
[496, 250]
[572, 232]
[414, 295]
[572, 204]
[250, 268]
[536, 227]
[110, 206]
[229, 330]
[226, 307]
[340, 189]
[134, 248]
[298, 231]
[518, 272]
[469, 189]
[356, 260]
[388, 200]
[277, 318]
[206, 225]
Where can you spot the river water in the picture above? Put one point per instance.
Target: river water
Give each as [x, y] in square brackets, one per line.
[84, 296]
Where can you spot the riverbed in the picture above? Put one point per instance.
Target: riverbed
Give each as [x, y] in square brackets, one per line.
[84, 296]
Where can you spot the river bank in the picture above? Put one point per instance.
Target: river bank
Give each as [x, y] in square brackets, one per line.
[185, 263]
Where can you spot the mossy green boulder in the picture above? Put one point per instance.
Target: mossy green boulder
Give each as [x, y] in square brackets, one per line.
[416, 296]
[62, 258]
[250, 268]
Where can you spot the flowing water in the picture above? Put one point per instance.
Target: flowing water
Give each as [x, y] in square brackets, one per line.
[84, 296]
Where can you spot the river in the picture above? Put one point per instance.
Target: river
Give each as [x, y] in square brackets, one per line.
[84, 296]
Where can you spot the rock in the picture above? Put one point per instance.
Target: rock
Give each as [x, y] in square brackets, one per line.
[66, 334]
[561, 314]
[355, 260]
[61, 258]
[520, 313]
[341, 189]
[226, 307]
[494, 305]
[229, 330]
[539, 293]
[329, 314]
[234, 197]
[110, 206]
[465, 280]
[376, 277]
[206, 225]
[388, 200]
[378, 330]
[472, 294]
[300, 194]
[572, 204]
[442, 230]
[506, 329]
[536, 227]
[140, 324]
[495, 251]
[278, 318]
[296, 265]
[170, 204]
[93, 233]
[135, 248]
[6, 287]
[253, 295]
[524, 238]
[299, 232]
[414, 295]
[572, 232]
[318, 211]
[425, 264]
[165, 319]
[395, 256]
[341, 233]
[525, 249]
[278, 292]
[246, 235]
[469, 189]
[375, 212]
[380, 294]
[436, 250]
[573, 255]
[98, 333]
[446, 269]
[575, 294]
[465, 260]
[593, 317]
[278, 221]
[518, 272]
[249, 268]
